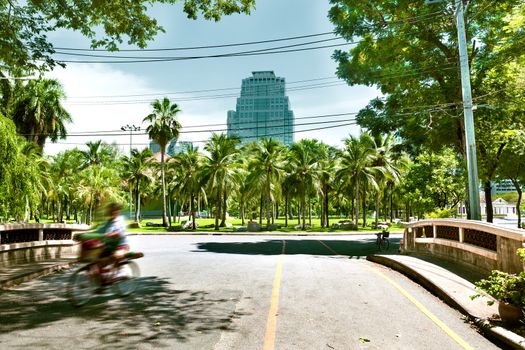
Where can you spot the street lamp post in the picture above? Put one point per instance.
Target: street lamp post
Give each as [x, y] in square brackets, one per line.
[130, 128]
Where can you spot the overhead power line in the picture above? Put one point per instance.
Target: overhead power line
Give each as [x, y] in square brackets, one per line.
[203, 46]
[185, 58]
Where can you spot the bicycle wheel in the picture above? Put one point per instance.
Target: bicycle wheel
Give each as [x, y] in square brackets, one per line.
[81, 286]
[125, 280]
[384, 244]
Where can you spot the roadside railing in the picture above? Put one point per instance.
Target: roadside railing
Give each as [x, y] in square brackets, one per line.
[479, 245]
[26, 243]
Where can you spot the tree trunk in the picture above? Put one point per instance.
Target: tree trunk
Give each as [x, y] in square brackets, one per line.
[192, 209]
[137, 204]
[364, 210]
[224, 208]
[518, 204]
[242, 212]
[376, 219]
[169, 211]
[309, 212]
[286, 210]
[487, 187]
[217, 210]
[391, 203]
[162, 151]
[326, 208]
[261, 209]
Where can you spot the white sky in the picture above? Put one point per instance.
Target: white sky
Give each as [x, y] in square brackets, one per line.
[270, 20]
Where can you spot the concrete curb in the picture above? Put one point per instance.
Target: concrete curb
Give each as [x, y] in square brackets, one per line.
[503, 335]
[27, 276]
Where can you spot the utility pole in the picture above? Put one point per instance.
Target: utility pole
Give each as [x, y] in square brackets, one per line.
[468, 115]
[130, 128]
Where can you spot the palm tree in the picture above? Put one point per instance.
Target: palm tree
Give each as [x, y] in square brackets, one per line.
[189, 182]
[138, 172]
[38, 112]
[162, 129]
[219, 170]
[388, 170]
[304, 157]
[98, 153]
[266, 170]
[326, 169]
[356, 166]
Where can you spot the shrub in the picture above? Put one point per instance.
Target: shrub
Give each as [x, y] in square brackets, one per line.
[440, 214]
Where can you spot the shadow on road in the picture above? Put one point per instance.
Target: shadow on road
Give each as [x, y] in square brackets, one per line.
[154, 313]
[361, 247]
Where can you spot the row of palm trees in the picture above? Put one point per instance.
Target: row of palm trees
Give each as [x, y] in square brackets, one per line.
[263, 179]
[262, 174]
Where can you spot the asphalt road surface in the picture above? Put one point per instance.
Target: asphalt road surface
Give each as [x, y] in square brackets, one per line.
[245, 292]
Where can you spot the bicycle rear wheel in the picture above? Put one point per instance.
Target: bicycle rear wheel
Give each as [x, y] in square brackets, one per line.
[125, 280]
[81, 286]
[384, 244]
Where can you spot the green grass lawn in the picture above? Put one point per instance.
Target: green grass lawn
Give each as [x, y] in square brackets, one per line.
[235, 222]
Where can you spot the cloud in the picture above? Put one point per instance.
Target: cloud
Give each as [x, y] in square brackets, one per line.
[99, 80]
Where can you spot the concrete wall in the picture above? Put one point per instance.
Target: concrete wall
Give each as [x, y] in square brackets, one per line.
[28, 252]
[27, 243]
[476, 254]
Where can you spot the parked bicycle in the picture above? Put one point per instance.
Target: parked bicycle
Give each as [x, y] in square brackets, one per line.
[118, 272]
[382, 240]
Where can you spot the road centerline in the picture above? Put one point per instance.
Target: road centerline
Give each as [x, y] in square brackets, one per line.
[271, 324]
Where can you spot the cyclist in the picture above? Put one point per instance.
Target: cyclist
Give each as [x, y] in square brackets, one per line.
[381, 235]
[114, 230]
[114, 240]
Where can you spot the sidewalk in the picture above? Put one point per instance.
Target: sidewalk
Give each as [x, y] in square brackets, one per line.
[454, 290]
[16, 274]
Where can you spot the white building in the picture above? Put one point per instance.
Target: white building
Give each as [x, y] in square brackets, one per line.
[499, 207]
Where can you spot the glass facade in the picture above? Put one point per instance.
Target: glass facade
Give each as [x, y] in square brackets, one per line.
[263, 110]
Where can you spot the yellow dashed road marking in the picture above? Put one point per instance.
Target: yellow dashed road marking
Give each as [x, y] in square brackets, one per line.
[420, 306]
[271, 324]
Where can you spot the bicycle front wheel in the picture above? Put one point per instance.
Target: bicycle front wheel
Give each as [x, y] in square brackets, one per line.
[384, 244]
[125, 280]
[81, 286]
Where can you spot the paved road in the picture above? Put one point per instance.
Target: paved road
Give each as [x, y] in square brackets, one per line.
[223, 292]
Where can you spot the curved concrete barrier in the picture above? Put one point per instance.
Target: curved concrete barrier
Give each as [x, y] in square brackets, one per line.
[477, 244]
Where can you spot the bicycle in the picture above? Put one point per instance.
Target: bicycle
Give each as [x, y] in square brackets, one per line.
[382, 240]
[120, 273]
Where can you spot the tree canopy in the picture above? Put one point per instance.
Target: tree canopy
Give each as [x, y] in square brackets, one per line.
[24, 25]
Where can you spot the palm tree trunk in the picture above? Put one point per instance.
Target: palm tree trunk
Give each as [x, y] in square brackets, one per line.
[391, 203]
[310, 212]
[376, 219]
[326, 208]
[286, 210]
[169, 211]
[192, 209]
[356, 206]
[162, 151]
[224, 208]
[303, 209]
[364, 210]
[242, 212]
[261, 209]
[217, 209]
[137, 203]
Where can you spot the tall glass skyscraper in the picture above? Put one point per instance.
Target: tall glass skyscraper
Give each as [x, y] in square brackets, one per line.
[263, 110]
